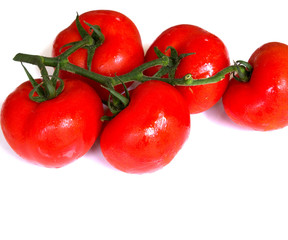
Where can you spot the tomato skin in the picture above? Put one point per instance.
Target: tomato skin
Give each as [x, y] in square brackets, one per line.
[261, 103]
[120, 52]
[55, 132]
[211, 57]
[147, 134]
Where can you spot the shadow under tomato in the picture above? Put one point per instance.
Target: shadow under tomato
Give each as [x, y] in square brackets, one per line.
[95, 154]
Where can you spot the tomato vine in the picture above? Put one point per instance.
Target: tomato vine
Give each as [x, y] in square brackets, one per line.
[242, 70]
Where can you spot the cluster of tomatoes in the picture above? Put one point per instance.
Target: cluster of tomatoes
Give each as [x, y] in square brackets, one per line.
[149, 132]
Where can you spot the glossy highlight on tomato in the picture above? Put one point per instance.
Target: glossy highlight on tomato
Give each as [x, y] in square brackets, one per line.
[149, 132]
[55, 132]
[261, 103]
[210, 57]
[121, 51]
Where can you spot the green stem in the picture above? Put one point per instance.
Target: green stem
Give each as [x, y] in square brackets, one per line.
[137, 73]
[187, 80]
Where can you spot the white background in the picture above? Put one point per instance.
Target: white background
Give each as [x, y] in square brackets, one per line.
[226, 183]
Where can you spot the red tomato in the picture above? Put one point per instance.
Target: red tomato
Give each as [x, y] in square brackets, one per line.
[261, 103]
[148, 133]
[120, 52]
[211, 57]
[55, 132]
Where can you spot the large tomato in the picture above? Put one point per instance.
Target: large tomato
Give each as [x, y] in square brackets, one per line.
[147, 134]
[120, 52]
[210, 57]
[261, 103]
[55, 132]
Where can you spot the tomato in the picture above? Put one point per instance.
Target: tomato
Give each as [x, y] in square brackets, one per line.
[55, 132]
[261, 103]
[120, 52]
[210, 57]
[149, 132]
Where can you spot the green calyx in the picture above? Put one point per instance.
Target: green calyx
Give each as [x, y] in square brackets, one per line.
[243, 71]
[116, 101]
[46, 89]
[95, 39]
[174, 61]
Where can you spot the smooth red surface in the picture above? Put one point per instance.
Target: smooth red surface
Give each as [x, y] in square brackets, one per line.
[210, 57]
[121, 51]
[55, 132]
[147, 134]
[261, 103]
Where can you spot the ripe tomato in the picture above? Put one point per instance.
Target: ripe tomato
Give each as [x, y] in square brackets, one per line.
[120, 52]
[55, 132]
[210, 57]
[148, 133]
[261, 103]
